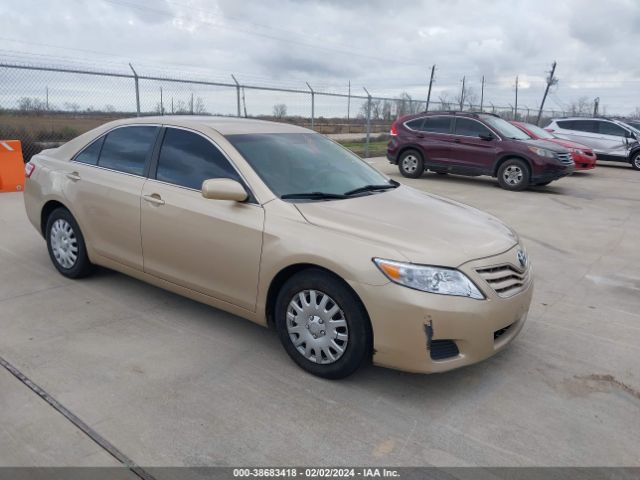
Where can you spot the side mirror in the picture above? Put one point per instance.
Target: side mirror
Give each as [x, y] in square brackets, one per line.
[486, 136]
[223, 189]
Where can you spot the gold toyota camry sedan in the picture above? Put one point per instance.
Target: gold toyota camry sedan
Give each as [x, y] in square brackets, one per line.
[282, 226]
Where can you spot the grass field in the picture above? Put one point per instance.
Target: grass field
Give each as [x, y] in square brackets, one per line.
[376, 149]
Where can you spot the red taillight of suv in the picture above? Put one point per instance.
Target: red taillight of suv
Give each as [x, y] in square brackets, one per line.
[394, 129]
[28, 169]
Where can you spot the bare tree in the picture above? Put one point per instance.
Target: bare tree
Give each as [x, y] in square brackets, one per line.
[181, 107]
[581, 106]
[198, 107]
[445, 101]
[72, 106]
[470, 96]
[109, 108]
[279, 110]
[31, 105]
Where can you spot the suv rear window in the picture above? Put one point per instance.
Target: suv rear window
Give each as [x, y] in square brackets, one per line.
[580, 125]
[439, 124]
[415, 124]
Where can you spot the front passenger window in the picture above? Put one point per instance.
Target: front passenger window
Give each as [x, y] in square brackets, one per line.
[188, 159]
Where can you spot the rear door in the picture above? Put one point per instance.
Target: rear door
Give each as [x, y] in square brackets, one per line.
[210, 246]
[103, 186]
[434, 137]
[471, 152]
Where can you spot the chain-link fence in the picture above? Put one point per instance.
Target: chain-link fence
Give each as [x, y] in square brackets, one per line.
[44, 105]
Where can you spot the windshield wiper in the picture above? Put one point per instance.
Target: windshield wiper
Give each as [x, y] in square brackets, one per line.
[371, 188]
[313, 196]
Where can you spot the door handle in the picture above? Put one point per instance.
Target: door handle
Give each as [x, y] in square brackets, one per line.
[74, 176]
[154, 199]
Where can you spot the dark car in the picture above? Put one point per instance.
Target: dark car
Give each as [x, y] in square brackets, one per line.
[474, 144]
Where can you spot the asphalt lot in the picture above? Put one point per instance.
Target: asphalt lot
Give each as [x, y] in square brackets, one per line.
[171, 382]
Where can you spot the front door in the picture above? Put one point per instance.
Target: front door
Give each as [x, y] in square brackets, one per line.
[472, 153]
[210, 246]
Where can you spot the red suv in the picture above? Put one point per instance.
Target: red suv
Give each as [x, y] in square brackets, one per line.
[474, 144]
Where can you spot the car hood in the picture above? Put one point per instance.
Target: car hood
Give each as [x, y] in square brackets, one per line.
[548, 144]
[425, 228]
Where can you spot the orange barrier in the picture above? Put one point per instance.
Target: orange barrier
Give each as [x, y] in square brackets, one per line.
[11, 166]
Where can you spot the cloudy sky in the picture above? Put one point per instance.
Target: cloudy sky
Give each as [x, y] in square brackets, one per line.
[387, 46]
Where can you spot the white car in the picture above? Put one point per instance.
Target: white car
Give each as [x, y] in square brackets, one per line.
[611, 140]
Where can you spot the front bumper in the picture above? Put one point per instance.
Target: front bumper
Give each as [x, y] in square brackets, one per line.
[584, 162]
[412, 330]
[552, 172]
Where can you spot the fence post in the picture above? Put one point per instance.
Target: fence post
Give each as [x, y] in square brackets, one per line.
[237, 93]
[135, 79]
[366, 145]
[313, 105]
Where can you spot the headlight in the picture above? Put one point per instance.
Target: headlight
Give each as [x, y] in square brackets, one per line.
[577, 151]
[543, 152]
[445, 281]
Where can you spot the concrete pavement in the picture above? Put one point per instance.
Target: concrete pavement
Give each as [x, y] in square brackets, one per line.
[171, 382]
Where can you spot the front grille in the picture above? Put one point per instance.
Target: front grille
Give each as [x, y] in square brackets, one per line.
[441, 349]
[564, 158]
[505, 279]
[498, 333]
[589, 154]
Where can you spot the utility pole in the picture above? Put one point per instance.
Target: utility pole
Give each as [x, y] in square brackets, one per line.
[433, 70]
[551, 80]
[349, 107]
[161, 104]
[596, 104]
[462, 95]
[482, 94]
[244, 103]
[47, 103]
[191, 103]
[237, 93]
[515, 115]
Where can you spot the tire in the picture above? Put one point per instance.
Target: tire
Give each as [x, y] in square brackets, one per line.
[309, 297]
[411, 164]
[635, 161]
[514, 175]
[66, 246]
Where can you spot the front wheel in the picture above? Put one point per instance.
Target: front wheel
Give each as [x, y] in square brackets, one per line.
[322, 324]
[411, 164]
[66, 245]
[635, 161]
[514, 174]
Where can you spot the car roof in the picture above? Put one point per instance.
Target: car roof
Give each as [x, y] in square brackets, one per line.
[223, 125]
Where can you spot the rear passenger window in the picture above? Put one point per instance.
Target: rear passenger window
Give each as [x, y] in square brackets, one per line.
[437, 124]
[188, 159]
[566, 124]
[90, 154]
[470, 128]
[608, 128]
[415, 124]
[585, 126]
[127, 149]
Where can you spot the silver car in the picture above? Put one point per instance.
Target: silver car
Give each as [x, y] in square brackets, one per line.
[611, 140]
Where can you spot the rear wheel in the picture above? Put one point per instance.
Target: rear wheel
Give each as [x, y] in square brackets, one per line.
[66, 244]
[513, 174]
[411, 164]
[635, 161]
[322, 324]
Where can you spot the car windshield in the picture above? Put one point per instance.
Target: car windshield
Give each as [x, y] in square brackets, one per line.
[504, 128]
[299, 164]
[538, 132]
